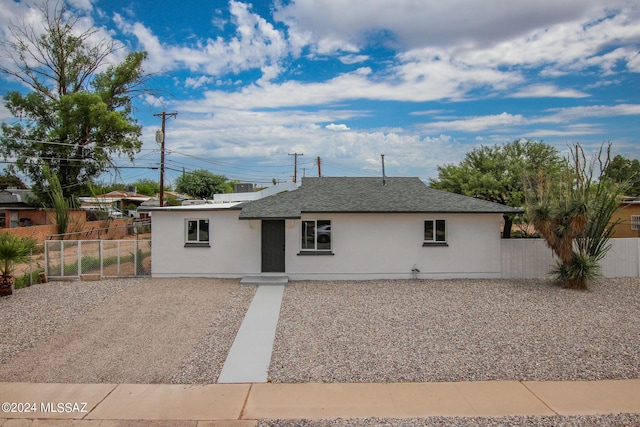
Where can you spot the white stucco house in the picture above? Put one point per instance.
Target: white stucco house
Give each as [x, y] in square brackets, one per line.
[333, 229]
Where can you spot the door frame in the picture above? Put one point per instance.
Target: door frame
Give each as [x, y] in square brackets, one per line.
[273, 245]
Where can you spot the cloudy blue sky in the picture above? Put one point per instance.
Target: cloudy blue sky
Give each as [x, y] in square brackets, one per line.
[421, 81]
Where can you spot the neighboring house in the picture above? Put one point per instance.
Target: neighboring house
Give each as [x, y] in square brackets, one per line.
[334, 228]
[16, 209]
[113, 203]
[629, 216]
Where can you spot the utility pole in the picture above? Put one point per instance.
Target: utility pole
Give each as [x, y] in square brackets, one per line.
[319, 173]
[160, 137]
[295, 165]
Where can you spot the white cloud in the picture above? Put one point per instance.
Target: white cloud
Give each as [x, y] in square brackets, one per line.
[412, 24]
[5, 114]
[340, 127]
[559, 36]
[560, 115]
[634, 62]
[198, 82]
[568, 46]
[153, 101]
[353, 59]
[82, 4]
[565, 132]
[547, 91]
[571, 121]
[554, 36]
[476, 124]
[256, 44]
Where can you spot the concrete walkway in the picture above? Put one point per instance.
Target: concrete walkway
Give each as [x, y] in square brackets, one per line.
[244, 404]
[249, 357]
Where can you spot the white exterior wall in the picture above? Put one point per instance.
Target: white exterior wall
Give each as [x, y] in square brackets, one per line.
[234, 245]
[369, 246]
[364, 246]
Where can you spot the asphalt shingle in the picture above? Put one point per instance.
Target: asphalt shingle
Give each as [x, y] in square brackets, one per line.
[365, 195]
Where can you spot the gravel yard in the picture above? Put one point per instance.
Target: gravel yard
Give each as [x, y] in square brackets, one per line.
[180, 330]
[456, 330]
[118, 331]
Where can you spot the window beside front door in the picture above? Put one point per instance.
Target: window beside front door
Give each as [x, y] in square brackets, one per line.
[197, 232]
[316, 235]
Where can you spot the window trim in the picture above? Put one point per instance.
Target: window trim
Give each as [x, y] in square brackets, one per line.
[635, 222]
[315, 250]
[435, 241]
[197, 243]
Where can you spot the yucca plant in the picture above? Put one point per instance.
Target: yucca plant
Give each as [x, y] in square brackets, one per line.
[13, 250]
[574, 217]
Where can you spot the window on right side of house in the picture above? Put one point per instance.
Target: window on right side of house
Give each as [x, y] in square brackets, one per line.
[635, 222]
[435, 231]
[316, 235]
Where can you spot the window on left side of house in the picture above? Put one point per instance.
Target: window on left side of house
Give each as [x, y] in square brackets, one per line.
[197, 231]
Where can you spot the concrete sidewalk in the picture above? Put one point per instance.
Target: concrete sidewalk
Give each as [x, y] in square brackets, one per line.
[244, 404]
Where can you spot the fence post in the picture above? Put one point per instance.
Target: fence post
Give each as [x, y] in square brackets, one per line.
[135, 258]
[30, 267]
[46, 258]
[79, 258]
[62, 258]
[101, 260]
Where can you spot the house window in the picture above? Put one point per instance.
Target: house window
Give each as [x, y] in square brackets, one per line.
[635, 222]
[316, 235]
[197, 232]
[435, 231]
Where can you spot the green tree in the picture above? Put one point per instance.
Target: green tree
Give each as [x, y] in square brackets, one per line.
[11, 181]
[624, 170]
[497, 173]
[201, 184]
[147, 186]
[574, 213]
[74, 119]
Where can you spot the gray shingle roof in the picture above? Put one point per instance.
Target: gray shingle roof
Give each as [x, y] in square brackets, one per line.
[16, 197]
[365, 195]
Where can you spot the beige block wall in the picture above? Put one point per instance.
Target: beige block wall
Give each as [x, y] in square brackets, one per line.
[111, 229]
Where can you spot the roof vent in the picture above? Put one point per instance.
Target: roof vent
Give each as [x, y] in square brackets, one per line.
[384, 177]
